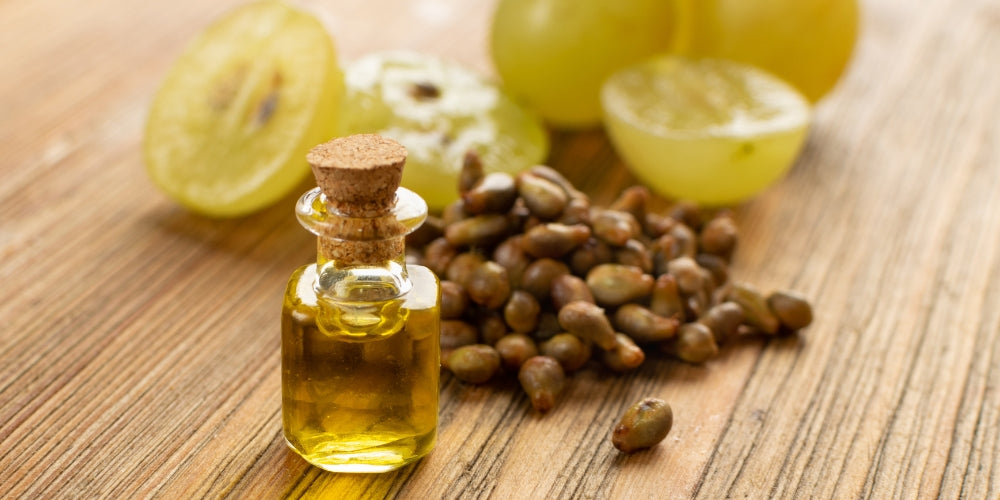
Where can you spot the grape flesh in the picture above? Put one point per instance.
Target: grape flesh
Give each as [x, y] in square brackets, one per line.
[229, 129]
[555, 54]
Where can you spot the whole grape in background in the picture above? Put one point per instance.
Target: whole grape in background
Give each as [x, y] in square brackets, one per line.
[555, 54]
[808, 43]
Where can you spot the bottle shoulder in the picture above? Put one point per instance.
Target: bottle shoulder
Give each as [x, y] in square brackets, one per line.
[424, 294]
[301, 290]
[426, 291]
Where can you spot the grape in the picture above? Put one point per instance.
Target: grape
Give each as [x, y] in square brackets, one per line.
[711, 131]
[229, 129]
[806, 42]
[439, 111]
[554, 54]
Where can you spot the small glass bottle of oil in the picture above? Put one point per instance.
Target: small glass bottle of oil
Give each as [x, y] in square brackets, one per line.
[360, 328]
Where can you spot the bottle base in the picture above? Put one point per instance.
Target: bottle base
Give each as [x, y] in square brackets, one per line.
[365, 455]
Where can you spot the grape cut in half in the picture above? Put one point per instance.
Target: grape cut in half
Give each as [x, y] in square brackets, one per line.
[709, 130]
[439, 110]
[229, 129]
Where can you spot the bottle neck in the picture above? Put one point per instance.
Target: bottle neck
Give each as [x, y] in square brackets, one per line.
[381, 276]
[361, 259]
[342, 252]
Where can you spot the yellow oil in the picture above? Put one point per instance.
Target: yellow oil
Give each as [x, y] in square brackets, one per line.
[360, 379]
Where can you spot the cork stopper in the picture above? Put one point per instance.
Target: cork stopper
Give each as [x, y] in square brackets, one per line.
[359, 174]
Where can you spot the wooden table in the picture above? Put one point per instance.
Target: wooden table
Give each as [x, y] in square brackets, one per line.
[139, 343]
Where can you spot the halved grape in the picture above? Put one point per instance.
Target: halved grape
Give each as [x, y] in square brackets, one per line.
[711, 130]
[229, 129]
[439, 111]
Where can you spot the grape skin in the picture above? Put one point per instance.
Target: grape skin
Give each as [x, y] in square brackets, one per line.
[806, 42]
[554, 54]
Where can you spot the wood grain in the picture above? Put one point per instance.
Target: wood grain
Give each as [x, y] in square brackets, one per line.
[139, 343]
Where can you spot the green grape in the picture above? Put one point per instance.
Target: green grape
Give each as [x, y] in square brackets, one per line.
[554, 54]
[806, 42]
[229, 129]
[439, 111]
[711, 130]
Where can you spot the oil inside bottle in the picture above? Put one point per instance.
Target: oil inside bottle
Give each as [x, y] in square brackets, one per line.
[360, 378]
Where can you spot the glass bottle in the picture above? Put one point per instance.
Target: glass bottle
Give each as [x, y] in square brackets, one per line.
[360, 328]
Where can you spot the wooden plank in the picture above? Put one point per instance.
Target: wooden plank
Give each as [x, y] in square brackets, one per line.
[139, 343]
